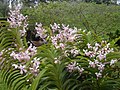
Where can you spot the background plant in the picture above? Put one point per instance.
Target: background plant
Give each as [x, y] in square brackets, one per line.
[101, 19]
[3, 9]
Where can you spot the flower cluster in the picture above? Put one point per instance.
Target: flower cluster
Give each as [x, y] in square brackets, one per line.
[74, 52]
[63, 35]
[4, 54]
[40, 31]
[73, 66]
[34, 69]
[22, 68]
[98, 51]
[71, 52]
[24, 56]
[55, 27]
[97, 55]
[18, 20]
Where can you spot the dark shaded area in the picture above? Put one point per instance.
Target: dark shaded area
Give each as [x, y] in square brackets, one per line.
[114, 35]
[35, 40]
[118, 42]
[2, 22]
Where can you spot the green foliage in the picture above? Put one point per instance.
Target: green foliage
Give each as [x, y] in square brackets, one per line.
[3, 9]
[54, 73]
[101, 19]
[3, 86]
[57, 76]
[37, 81]
[12, 78]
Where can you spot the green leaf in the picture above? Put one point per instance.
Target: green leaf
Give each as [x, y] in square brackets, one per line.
[36, 81]
[113, 55]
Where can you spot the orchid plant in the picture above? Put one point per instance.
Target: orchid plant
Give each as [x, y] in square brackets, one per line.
[72, 59]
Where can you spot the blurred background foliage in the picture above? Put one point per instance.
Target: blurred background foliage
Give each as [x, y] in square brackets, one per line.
[3, 9]
[100, 18]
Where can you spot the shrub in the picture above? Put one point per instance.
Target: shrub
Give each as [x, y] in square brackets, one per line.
[3, 9]
[101, 19]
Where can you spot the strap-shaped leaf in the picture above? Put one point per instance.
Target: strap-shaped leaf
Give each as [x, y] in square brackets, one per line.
[113, 55]
[35, 83]
[43, 87]
[17, 82]
[14, 77]
[11, 75]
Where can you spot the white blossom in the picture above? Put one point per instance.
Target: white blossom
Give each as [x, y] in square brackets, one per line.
[112, 62]
[89, 45]
[18, 20]
[15, 65]
[92, 64]
[35, 66]
[74, 67]
[22, 69]
[99, 75]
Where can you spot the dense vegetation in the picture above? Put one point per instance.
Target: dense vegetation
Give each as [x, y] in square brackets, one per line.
[3, 9]
[42, 52]
[102, 19]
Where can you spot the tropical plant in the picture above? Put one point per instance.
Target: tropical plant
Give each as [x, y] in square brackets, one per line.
[67, 59]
